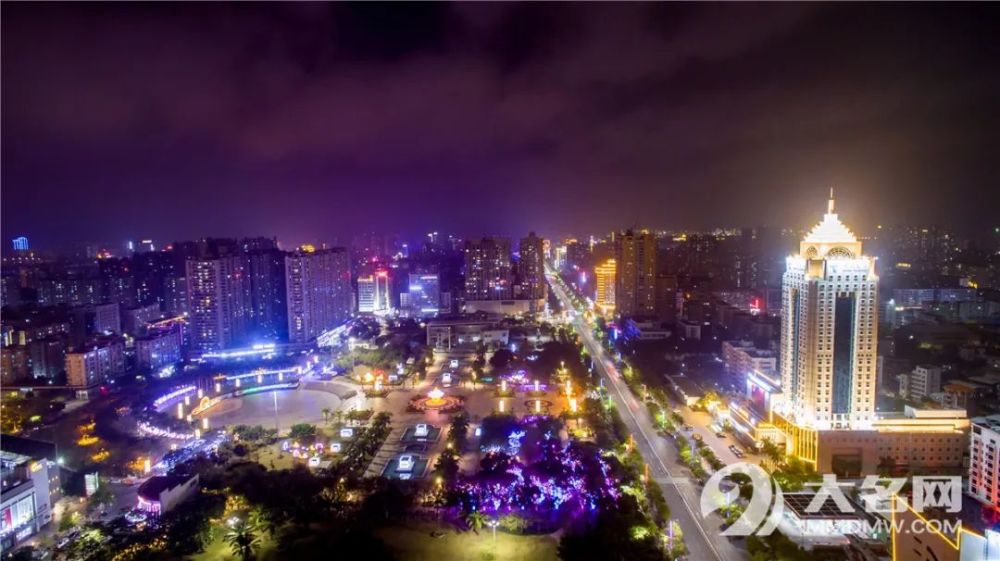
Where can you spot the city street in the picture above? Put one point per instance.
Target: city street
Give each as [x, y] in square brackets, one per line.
[681, 493]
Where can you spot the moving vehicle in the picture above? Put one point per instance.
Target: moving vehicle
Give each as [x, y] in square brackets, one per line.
[421, 430]
[453, 363]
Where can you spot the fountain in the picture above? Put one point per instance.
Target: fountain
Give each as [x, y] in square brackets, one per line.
[436, 400]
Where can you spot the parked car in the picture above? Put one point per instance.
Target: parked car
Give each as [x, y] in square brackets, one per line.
[405, 463]
[453, 363]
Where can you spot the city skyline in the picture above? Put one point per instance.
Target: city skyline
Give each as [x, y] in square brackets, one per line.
[684, 117]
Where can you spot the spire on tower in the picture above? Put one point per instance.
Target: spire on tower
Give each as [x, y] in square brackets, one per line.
[829, 204]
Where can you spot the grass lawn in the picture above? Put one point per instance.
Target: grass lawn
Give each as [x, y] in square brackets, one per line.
[414, 543]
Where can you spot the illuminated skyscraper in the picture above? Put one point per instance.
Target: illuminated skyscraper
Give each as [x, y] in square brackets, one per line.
[20, 243]
[531, 267]
[829, 330]
[487, 269]
[604, 280]
[318, 292]
[373, 292]
[635, 279]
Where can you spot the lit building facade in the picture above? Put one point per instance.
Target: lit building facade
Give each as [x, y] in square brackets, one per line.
[829, 325]
[26, 500]
[531, 267]
[487, 269]
[424, 296]
[822, 407]
[218, 306]
[95, 362]
[635, 279]
[318, 292]
[984, 460]
[604, 287]
[373, 293]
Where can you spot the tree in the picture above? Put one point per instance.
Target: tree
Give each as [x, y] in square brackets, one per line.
[501, 359]
[302, 430]
[243, 540]
[513, 523]
[475, 520]
[771, 450]
[101, 499]
[326, 414]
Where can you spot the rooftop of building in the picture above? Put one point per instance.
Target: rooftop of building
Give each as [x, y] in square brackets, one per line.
[154, 486]
[991, 422]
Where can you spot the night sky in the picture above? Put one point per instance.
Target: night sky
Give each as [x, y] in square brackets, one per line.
[310, 121]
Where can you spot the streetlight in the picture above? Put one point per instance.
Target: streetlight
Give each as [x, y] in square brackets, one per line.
[493, 523]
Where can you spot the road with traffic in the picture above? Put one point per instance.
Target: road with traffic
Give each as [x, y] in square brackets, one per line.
[701, 535]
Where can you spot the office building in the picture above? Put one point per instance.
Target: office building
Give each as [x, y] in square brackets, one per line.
[531, 268]
[26, 497]
[373, 293]
[823, 413]
[424, 295]
[318, 292]
[829, 325]
[20, 243]
[604, 286]
[635, 278]
[487, 269]
[217, 302]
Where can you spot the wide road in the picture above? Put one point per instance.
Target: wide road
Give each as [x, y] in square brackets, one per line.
[700, 535]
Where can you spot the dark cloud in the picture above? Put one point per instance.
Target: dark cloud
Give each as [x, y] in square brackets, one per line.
[310, 120]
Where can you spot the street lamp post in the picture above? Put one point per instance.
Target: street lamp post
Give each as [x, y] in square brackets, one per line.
[492, 523]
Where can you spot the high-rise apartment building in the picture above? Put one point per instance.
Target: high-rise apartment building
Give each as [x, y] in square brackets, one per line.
[218, 303]
[531, 267]
[373, 292]
[318, 292]
[268, 308]
[984, 460]
[828, 329]
[95, 362]
[604, 283]
[635, 279]
[487, 269]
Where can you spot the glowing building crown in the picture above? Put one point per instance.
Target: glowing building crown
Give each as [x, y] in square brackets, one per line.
[830, 238]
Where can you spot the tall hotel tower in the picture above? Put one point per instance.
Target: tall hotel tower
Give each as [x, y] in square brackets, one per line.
[829, 330]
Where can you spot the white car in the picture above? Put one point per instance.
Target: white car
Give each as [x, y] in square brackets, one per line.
[405, 463]
[346, 433]
[453, 363]
[421, 431]
[335, 447]
[446, 379]
[314, 461]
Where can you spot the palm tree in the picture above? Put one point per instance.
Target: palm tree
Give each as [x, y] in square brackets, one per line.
[475, 520]
[243, 540]
[326, 414]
